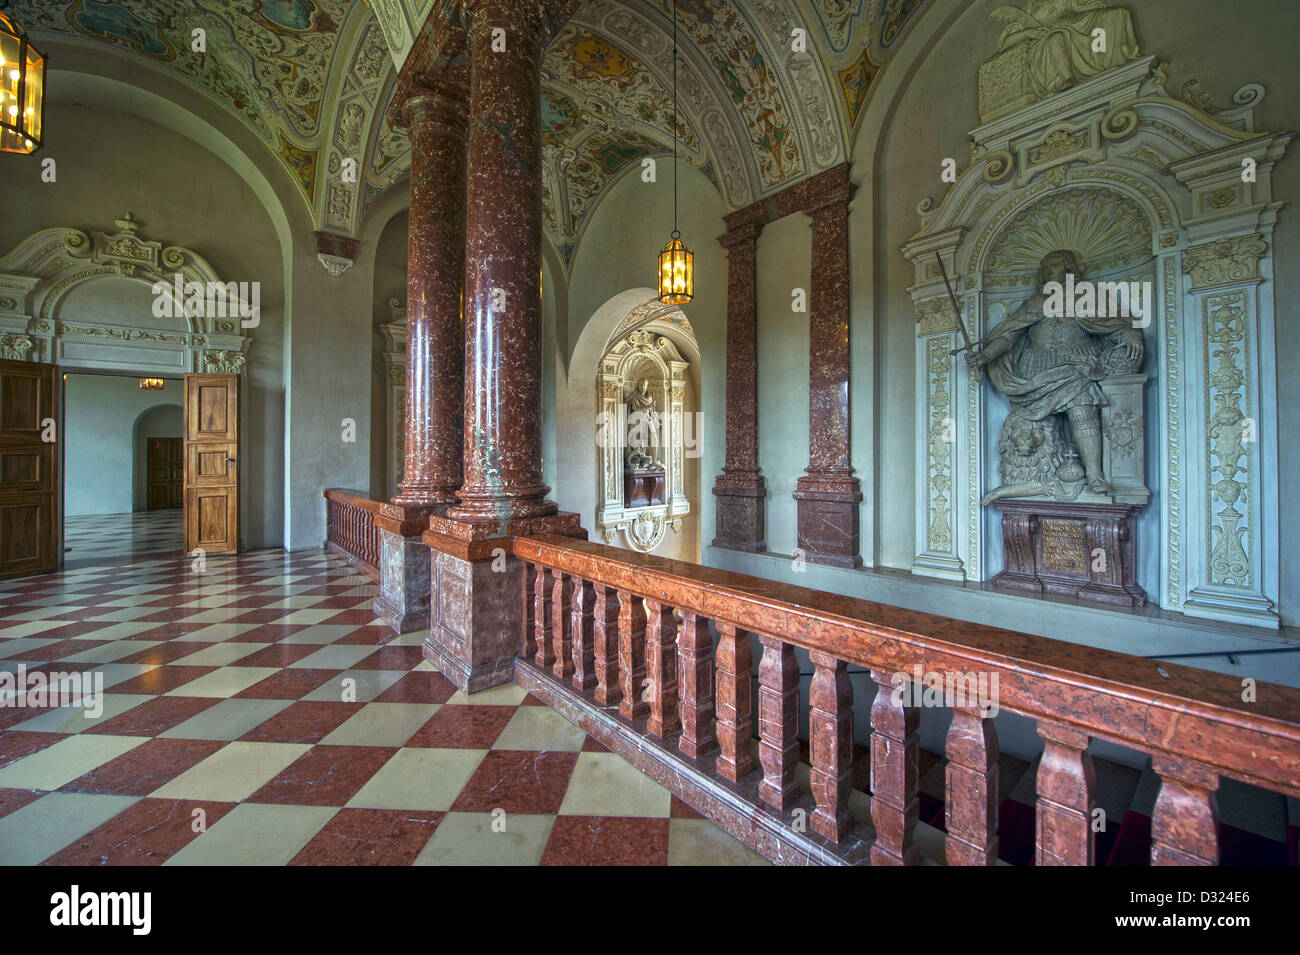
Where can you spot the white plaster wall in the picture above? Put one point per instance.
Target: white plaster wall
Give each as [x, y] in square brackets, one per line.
[784, 264]
[110, 162]
[100, 415]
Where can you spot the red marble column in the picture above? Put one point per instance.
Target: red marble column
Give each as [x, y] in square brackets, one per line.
[435, 116]
[739, 490]
[435, 327]
[503, 268]
[828, 494]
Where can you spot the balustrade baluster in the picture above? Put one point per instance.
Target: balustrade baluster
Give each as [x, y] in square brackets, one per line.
[661, 668]
[529, 642]
[971, 806]
[580, 624]
[830, 731]
[1065, 786]
[733, 702]
[1185, 824]
[778, 722]
[604, 638]
[895, 775]
[631, 655]
[695, 682]
[543, 623]
[561, 625]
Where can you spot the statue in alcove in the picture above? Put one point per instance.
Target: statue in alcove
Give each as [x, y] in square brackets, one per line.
[643, 425]
[1050, 367]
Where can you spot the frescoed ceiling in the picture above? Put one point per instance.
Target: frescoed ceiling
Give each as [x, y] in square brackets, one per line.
[314, 79]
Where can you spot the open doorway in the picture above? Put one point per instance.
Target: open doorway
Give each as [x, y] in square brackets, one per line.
[123, 468]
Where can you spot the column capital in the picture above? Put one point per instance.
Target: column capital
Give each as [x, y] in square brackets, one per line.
[437, 100]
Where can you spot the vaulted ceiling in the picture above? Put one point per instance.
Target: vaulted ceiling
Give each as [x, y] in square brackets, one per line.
[314, 79]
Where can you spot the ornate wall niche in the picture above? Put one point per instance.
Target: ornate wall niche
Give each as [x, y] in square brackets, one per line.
[644, 353]
[1144, 186]
[38, 275]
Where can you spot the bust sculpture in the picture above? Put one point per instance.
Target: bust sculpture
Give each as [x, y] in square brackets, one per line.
[1050, 366]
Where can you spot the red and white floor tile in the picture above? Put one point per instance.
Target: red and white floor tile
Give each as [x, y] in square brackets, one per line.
[257, 713]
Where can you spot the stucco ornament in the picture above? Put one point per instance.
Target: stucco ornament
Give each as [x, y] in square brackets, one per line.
[1049, 45]
[1051, 365]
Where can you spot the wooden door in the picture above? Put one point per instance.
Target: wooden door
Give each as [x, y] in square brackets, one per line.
[165, 474]
[211, 463]
[29, 469]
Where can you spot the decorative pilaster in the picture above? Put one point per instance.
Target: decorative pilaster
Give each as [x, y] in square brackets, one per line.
[828, 494]
[739, 490]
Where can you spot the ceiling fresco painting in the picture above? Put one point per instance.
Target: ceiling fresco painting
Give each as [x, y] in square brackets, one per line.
[315, 79]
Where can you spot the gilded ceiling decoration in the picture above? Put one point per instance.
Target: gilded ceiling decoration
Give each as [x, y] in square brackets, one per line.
[314, 80]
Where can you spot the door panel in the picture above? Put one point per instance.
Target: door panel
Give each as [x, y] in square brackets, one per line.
[29, 526]
[211, 464]
[165, 477]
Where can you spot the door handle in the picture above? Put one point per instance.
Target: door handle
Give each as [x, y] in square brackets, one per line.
[230, 460]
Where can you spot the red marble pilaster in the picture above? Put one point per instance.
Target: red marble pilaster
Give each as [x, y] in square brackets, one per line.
[828, 495]
[740, 522]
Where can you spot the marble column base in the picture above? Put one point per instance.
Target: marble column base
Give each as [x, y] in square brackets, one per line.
[477, 596]
[829, 522]
[740, 520]
[403, 601]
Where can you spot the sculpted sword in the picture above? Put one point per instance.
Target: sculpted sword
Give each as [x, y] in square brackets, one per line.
[961, 326]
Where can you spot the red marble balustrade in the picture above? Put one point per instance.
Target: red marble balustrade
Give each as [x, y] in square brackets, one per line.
[350, 529]
[640, 669]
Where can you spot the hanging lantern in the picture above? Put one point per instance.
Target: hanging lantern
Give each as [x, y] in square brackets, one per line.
[676, 272]
[676, 262]
[22, 90]
[151, 384]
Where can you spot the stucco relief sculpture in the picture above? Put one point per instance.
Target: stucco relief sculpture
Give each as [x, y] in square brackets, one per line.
[643, 426]
[1049, 45]
[1050, 366]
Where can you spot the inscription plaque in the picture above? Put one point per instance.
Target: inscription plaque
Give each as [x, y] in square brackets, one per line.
[1063, 547]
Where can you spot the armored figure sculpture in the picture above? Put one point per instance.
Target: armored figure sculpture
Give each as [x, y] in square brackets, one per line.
[1050, 366]
[643, 424]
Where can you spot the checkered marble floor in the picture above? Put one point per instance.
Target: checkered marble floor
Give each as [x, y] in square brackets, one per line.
[257, 713]
[95, 539]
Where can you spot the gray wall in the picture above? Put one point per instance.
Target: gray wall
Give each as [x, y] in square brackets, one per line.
[100, 448]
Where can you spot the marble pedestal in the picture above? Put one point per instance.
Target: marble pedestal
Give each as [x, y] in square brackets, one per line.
[476, 613]
[403, 601]
[1071, 549]
[828, 519]
[739, 515]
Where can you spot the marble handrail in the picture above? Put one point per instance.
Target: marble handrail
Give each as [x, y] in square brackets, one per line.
[1193, 723]
[350, 528]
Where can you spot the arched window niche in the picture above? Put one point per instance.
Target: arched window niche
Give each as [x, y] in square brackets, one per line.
[645, 432]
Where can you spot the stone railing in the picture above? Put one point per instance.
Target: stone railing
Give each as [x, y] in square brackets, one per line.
[620, 643]
[350, 529]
